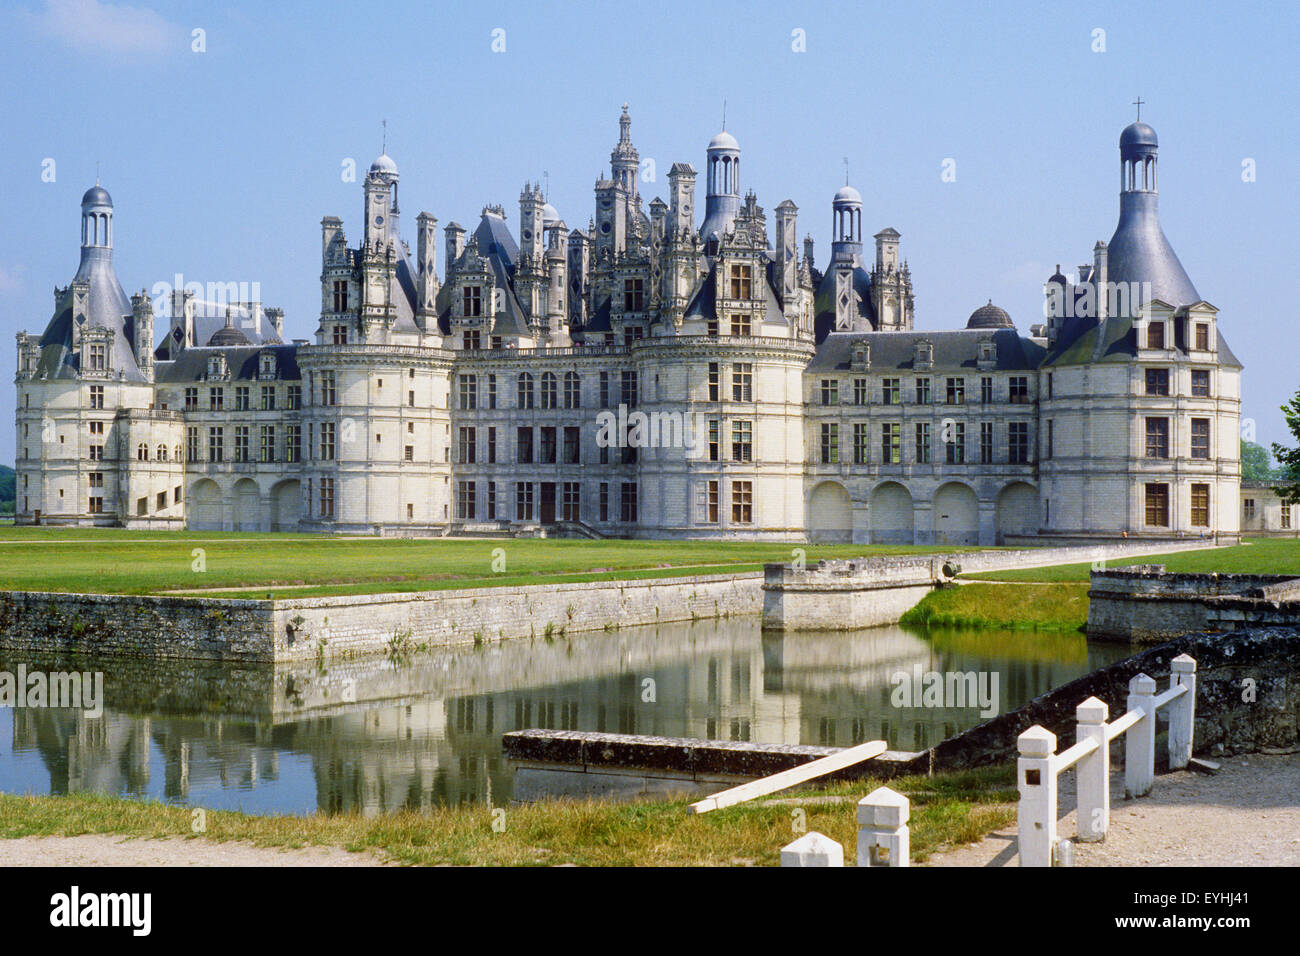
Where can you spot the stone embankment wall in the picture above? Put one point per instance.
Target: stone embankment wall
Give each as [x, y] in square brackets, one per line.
[1146, 604]
[866, 592]
[320, 628]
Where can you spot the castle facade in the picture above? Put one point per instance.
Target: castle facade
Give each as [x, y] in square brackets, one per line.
[755, 395]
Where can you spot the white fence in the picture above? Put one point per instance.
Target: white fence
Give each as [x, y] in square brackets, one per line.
[883, 836]
[1039, 765]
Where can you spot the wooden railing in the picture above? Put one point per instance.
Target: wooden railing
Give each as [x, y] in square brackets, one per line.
[1038, 765]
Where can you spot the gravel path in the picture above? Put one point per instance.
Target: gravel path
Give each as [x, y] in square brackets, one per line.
[105, 850]
[1248, 814]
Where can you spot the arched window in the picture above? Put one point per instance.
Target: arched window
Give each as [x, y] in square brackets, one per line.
[525, 390]
[142, 453]
[179, 455]
[548, 390]
[572, 390]
[162, 452]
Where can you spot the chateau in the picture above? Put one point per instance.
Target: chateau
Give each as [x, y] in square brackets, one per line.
[465, 392]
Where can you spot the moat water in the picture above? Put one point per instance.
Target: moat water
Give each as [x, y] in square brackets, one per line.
[378, 735]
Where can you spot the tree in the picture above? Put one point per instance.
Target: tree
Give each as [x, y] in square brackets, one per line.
[1289, 458]
[1256, 463]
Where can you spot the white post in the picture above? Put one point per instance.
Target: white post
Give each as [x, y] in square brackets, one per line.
[1140, 742]
[1093, 773]
[812, 849]
[1182, 712]
[883, 836]
[1036, 780]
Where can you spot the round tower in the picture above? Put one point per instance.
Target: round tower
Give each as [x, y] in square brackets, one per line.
[722, 181]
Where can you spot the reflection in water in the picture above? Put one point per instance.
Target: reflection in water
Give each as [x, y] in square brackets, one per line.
[375, 735]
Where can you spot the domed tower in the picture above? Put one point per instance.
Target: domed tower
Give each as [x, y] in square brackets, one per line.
[624, 161]
[722, 183]
[846, 226]
[1139, 255]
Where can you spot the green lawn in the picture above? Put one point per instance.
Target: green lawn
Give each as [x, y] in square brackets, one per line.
[111, 560]
[947, 809]
[1013, 607]
[1255, 556]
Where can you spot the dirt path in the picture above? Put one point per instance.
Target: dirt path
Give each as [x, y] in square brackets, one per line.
[1248, 814]
[112, 850]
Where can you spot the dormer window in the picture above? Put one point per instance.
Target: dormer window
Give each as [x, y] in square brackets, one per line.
[97, 357]
[473, 300]
[267, 367]
[1203, 336]
[340, 295]
[741, 281]
[987, 355]
[861, 356]
[1156, 335]
[924, 355]
[217, 367]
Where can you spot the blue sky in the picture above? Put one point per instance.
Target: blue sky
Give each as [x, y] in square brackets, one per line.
[221, 163]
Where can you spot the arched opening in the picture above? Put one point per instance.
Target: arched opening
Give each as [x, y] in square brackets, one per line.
[892, 520]
[956, 515]
[830, 515]
[204, 506]
[247, 500]
[1018, 510]
[286, 505]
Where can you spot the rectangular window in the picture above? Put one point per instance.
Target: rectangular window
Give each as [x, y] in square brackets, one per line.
[742, 441]
[1201, 438]
[891, 443]
[96, 505]
[986, 389]
[523, 501]
[524, 445]
[711, 503]
[1201, 507]
[741, 281]
[628, 502]
[1203, 336]
[1285, 515]
[468, 392]
[216, 399]
[860, 391]
[492, 445]
[742, 382]
[548, 446]
[1050, 437]
[1248, 508]
[97, 396]
[492, 391]
[1018, 390]
[241, 443]
[860, 439]
[472, 300]
[327, 441]
[216, 444]
[986, 443]
[629, 387]
[465, 504]
[923, 443]
[191, 399]
[328, 389]
[633, 295]
[604, 501]
[711, 328]
[604, 390]
[714, 427]
[1156, 336]
[1018, 443]
[572, 390]
[955, 446]
[524, 397]
[890, 391]
[408, 453]
[1157, 438]
[293, 443]
[713, 381]
[191, 444]
[830, 391]
[327, 497]
[1157, 381]
[1157, 505]
[742, 502]
[241, 398]
[268, 398]
[1200, 383]
[492, 501]
[1049, 384]
[468, 444]
[98, 357]
[740, 324]
[923, 391]
[830, 444]
[340, 295]
[294, 396]
[572, 445]
[956, 391]
[571, 502]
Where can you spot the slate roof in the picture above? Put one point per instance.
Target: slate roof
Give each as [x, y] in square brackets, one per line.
[957, 349]
[242, 361]
[824, 301]
[107, 307]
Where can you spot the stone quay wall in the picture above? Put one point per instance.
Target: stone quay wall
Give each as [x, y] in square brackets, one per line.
[866, 592]
[1145, 604]
[324, 627]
